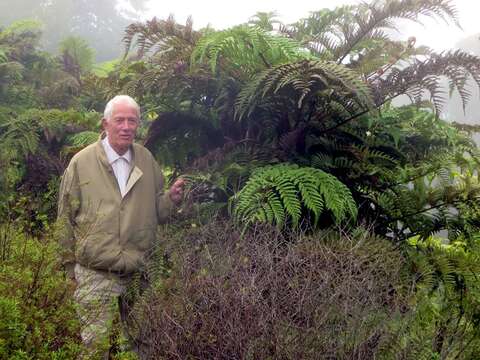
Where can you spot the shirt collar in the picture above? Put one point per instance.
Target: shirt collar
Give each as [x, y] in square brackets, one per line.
[112, 155]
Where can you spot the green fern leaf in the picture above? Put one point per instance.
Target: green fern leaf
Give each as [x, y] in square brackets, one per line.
[284, 192]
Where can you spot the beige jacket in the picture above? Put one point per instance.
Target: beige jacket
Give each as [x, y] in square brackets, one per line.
[100, 229]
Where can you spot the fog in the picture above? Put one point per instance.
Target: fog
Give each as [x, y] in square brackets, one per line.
[435, 33]
[100, 22]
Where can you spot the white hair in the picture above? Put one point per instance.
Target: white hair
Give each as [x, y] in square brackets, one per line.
[107, 114]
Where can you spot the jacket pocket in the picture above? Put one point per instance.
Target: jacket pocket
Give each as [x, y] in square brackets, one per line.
[143, 239]
[89, 248]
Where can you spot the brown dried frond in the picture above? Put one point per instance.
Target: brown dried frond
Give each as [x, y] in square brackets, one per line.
[457, 66]
[159, 34]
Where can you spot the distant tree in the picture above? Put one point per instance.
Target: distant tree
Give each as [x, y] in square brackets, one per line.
[30, 77]
[76, 56]
[18, 56]
[264, 20]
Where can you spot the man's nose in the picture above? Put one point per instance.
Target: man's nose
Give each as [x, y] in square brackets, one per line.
[126, 125]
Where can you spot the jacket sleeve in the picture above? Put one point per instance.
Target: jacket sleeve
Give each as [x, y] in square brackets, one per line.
[164, 203]
[68, 206]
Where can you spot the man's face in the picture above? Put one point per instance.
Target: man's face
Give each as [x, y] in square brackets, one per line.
[121, 127]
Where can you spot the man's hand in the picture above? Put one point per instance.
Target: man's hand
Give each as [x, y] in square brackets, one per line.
[176, 191]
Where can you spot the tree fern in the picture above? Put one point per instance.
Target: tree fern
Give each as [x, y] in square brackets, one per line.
[264, 20]
[276, 193]
[160, 36]
[245, 48]
[322, 81]
[337, 34]
[425, 74]
[77, 56]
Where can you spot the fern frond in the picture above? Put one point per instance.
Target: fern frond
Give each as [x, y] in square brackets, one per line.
[280, 192]
[421, 75]
[246, 49]
[160, 36]
[21, 136]
[304, 79]
[371, 17]
[83, 138]
[337, 34]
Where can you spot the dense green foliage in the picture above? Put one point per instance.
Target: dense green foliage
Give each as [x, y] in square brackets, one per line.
[271, 124]
[37, 315]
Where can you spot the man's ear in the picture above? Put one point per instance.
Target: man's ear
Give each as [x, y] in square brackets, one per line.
[103, 123]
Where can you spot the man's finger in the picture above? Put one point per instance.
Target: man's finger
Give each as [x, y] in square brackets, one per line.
[180, 182]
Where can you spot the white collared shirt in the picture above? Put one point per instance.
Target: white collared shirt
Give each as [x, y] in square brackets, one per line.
[121, 165]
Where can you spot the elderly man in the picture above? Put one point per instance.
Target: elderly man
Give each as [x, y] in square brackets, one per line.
[111, 200]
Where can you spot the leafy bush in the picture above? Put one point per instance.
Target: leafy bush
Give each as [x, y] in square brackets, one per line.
[444, 323]
[37, 145]
[37, 316]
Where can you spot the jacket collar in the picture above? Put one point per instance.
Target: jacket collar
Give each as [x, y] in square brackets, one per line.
[112, 155]
[102, 156]
[135, 174]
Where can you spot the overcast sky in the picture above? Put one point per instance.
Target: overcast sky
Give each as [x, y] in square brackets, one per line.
[222, 14]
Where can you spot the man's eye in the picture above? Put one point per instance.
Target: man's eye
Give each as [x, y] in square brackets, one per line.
[132, 121]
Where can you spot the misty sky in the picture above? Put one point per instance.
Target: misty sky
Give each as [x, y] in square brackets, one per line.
[220, 14]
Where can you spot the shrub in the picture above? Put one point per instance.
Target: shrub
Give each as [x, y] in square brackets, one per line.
[445, 312]
[263, 296]
[37, 316]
